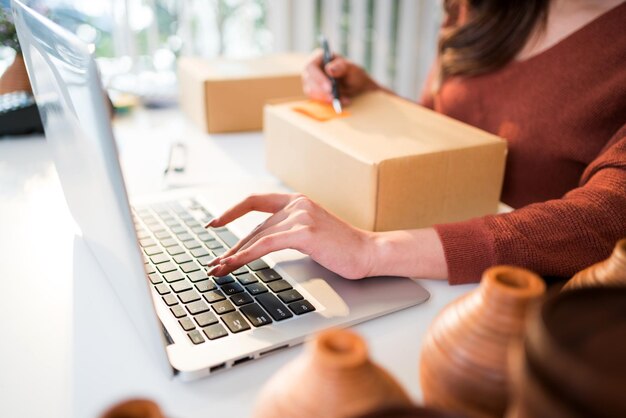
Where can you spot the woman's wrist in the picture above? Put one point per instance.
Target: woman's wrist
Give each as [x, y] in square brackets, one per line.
[411, 253]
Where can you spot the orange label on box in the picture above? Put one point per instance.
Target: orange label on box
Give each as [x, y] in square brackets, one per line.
[319, 111]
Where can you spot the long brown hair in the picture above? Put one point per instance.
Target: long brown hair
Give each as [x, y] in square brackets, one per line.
[489, 37]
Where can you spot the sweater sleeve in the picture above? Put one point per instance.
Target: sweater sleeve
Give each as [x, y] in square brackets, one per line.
[553, 238]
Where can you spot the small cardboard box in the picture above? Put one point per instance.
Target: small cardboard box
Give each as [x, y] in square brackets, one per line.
[390, 164]
[226, 95]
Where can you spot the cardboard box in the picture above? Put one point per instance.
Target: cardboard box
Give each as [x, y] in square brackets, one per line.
[226, 95]
[390, 164]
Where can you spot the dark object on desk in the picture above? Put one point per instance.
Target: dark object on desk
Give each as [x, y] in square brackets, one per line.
[610, 272]
[572, 363]
[328, 57]
[134, 408]
[19, 114]
[333, 378]
[463, 366]
[15, 78]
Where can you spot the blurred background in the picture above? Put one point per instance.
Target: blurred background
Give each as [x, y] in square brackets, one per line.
[137, 42]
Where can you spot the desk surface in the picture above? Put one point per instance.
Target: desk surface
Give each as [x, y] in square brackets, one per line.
[68, 349]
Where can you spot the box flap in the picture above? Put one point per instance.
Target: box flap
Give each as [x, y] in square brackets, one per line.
[274, 65]
[383, 126]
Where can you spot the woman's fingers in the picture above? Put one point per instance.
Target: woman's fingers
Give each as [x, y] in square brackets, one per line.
[337, 68]
[263, 246]
[256, 232]
[269, 203]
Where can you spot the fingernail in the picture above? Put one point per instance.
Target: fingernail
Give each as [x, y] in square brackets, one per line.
[210, 223]
[211, 271]
[226, 260]
[214, 262]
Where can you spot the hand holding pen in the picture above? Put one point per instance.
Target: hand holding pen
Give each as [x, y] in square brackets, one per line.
[351, 79]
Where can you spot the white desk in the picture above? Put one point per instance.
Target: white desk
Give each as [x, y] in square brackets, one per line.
[67, 346]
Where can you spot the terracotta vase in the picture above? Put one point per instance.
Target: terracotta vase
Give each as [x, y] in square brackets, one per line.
[572, 363]
[333, 378]
[15, 77]
[610, 272]
[134, 408]
[463, 366]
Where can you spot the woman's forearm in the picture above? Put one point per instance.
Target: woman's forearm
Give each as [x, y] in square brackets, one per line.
[412, 253]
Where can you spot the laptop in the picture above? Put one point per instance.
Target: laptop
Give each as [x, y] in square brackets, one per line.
[155, 254]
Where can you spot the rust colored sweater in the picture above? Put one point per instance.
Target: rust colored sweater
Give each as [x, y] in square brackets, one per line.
[563, 113]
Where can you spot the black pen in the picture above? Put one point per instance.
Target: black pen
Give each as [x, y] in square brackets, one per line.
[328, 58]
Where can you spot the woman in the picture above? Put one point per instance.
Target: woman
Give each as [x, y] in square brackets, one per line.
[550, 77]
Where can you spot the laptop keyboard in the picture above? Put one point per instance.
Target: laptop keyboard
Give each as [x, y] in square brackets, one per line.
[177, 248]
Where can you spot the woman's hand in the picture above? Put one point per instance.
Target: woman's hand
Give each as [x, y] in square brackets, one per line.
[352, 79]
[301, 224]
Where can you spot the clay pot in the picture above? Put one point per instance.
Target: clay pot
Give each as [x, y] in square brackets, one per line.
[15, 78]
[572, 362]
[463, 365]
[134, 408]
[333, 378]
[610, 272]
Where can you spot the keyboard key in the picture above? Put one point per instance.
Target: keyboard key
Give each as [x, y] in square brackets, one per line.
[205, 260]
[240, 270]
[189, 267]
[166, 267]
[225, 235]
[159, 258]
[205, 237]
[178, 229]
[162, 289]
[147, 242]
[219, 251]
[196, 337]
[192, 223]
[197, 276]
[223, 307]
[223, 280]
[188, 296]
[181, 286]
[205, 286]
[205, 319]
[257, 265]
[178, 311]
[187, 324]
[268, 275]
[155, 278]
[197, 307]
[185, 237]
[142, 234]
[241, 299]
[247, 278]
[175, 250]
[199, 252]
[170, 300]
[190, 245]
[256, 315]
[198, 229]
[274, 306]
[214, 296]
[182, 258]
[174, 276]
[235, 322]
[215, 331]
[256, 288]
[149, 269]
[279, 286]
[231, 288]
[161, 235]
[214, 245]
[153, 250]
[289, 296]
[301, 307]
[168, 242]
